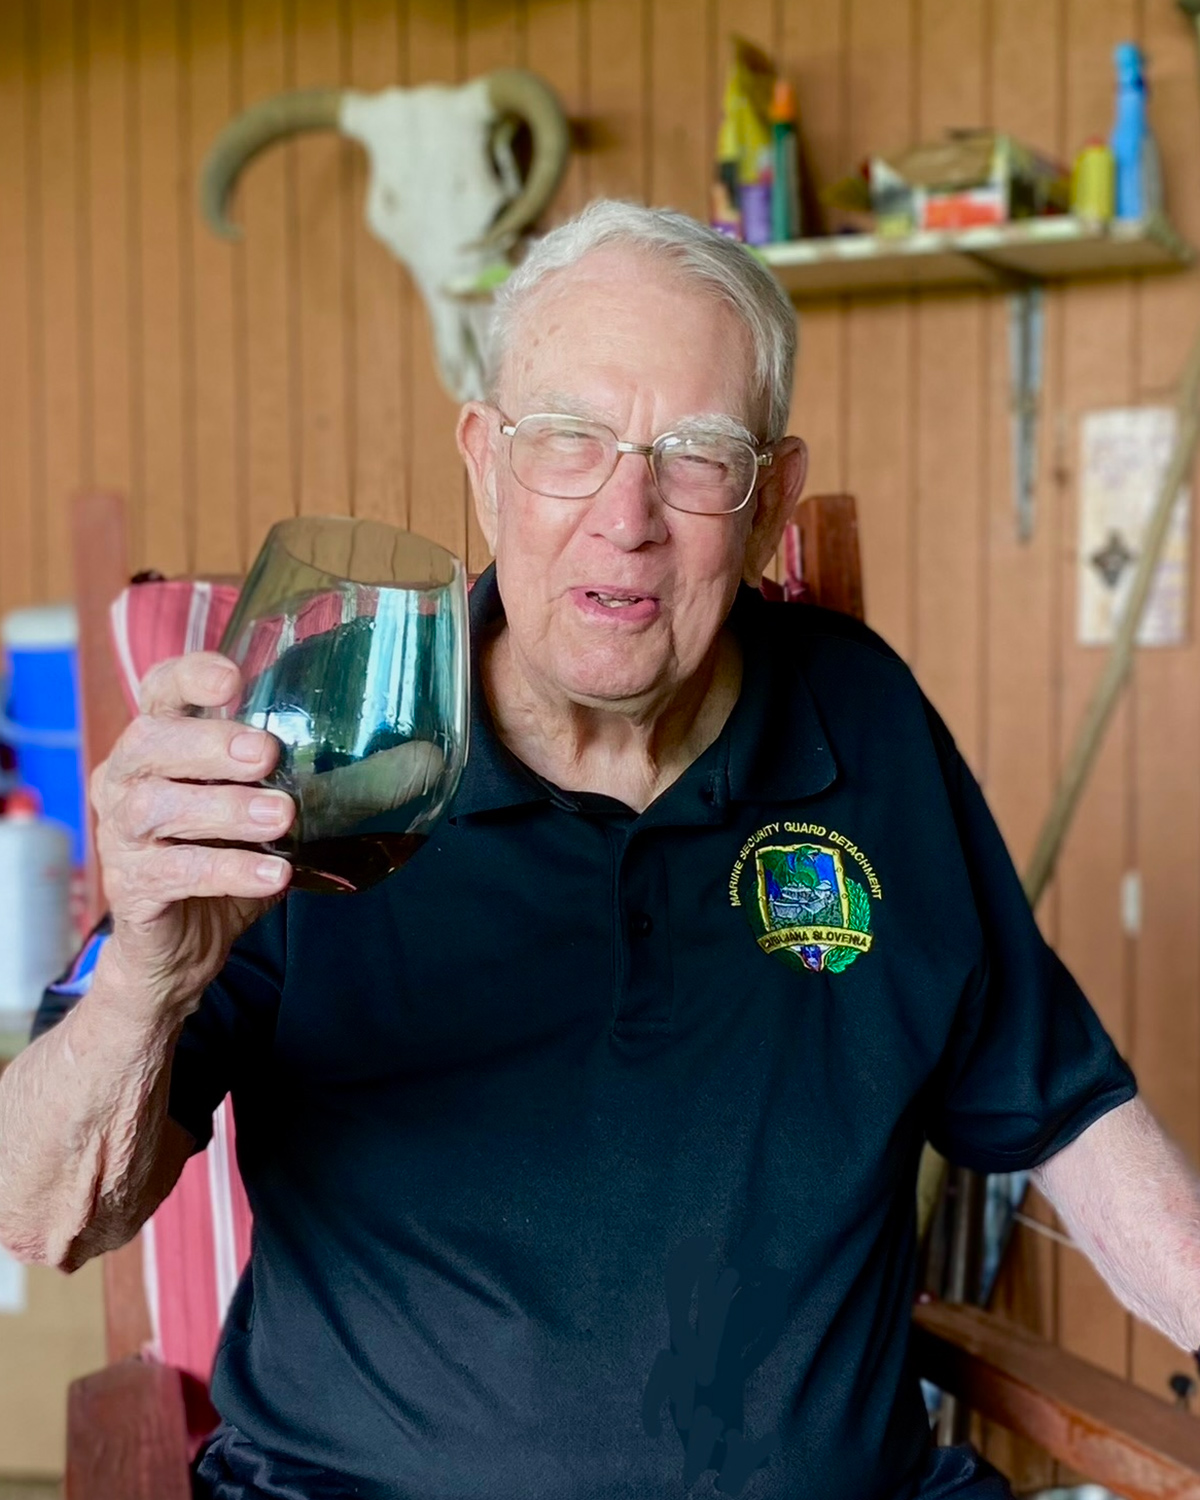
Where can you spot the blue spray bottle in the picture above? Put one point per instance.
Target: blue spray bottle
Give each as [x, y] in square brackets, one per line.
[1135, 152]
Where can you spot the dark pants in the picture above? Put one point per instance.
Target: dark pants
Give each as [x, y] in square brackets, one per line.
[961, 1473]
[232, 1468]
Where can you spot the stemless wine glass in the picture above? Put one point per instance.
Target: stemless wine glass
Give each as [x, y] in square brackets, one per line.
[352, 640]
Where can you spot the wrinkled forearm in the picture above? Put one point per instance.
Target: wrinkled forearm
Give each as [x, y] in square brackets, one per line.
[1132, 1204]
[87, 1151]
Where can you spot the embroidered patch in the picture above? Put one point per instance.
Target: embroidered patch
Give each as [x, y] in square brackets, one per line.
[802, 905]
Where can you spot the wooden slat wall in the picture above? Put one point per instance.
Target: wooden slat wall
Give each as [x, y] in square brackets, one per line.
[1165, 711]
[222, 388]
[1022, 583]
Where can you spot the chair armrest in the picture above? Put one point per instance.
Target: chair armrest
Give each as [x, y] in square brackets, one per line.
[127, 1435]
[827, 559]
[1103, 1427]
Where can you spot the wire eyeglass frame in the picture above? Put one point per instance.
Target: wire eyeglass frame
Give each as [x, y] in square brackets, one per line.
[652, 452]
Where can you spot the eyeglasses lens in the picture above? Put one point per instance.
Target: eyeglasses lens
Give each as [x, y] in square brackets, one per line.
[569, 459]
[711, 476]
[565, 460]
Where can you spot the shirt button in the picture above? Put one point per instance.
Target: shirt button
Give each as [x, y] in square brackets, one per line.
[642, 924]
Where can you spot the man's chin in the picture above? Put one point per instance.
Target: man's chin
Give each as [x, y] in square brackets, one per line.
[616, 691]
[609, 674]
[615, 697]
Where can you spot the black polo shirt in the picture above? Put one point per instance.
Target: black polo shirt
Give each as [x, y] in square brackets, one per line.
[582, 1150]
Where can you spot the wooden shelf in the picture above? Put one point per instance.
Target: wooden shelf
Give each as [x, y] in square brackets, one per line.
[995, 256]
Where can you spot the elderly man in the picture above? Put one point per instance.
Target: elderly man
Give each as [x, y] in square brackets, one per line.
[582, 1150]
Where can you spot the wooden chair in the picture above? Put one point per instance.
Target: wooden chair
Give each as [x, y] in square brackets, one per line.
[128, 1424]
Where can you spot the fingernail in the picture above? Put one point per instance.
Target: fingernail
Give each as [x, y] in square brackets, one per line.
[269, 870]
[268, 808]
[247, 746]
[217, 677]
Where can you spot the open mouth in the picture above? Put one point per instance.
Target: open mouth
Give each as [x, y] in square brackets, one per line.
[617, 604]
[616, 601]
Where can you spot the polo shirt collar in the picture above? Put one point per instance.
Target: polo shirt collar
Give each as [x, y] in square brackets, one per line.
[773, 747]
[493, 777]
[778, 746]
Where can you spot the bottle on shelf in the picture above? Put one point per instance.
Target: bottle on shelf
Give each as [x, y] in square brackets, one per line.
[1138, 171]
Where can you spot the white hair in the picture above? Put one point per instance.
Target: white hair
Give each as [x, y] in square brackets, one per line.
[712, 262]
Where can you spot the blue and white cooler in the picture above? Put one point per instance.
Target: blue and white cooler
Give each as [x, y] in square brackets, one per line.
[39, 713]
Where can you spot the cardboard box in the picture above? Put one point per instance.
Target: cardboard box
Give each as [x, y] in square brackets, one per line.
[968, 178]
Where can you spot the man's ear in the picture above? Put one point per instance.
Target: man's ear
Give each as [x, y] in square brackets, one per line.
[775, 501]
[475, 437]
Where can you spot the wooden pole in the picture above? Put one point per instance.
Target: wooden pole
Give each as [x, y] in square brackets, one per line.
[1120, 658]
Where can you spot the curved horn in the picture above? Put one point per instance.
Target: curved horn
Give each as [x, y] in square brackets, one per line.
[246, 135]
[513, 91]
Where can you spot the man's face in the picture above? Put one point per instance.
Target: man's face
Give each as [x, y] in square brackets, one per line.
[617, 600]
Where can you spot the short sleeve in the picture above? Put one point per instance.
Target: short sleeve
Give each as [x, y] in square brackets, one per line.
[61, 995]
[1028, 1066]
[227, 1039]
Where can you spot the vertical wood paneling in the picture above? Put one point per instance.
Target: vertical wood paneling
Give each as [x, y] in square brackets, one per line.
[680, 151]
[437, 503]
[879, 335]
[810, 52]
[491, 39]
[20, 578]
[63, 243]
[382, 337]
[322, 161]
[109, 461]
[264, 281]
[213, 387]
[1023, 577]
[950, 361]
[40, 289]
[1099, 354]
[618, 90]
[1021, 640]
[165, 484]
[756, 20]
[1166, 787]
[490, 36]
[553, 41]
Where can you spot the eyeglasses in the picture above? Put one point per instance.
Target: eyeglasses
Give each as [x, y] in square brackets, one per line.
[570, 458]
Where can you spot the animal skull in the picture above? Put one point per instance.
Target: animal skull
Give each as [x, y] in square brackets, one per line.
[444, 194]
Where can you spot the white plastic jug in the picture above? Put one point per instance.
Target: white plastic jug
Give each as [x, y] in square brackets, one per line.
[35, 912]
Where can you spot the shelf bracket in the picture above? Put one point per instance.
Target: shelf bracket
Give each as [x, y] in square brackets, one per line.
[1026, 330]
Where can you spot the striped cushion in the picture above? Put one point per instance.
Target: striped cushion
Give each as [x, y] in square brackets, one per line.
[152, 621]
[196, 1245]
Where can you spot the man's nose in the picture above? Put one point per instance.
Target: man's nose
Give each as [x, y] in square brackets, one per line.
[627, 509]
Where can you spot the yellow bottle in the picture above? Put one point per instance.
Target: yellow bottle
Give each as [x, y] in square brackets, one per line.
[1093, 182]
